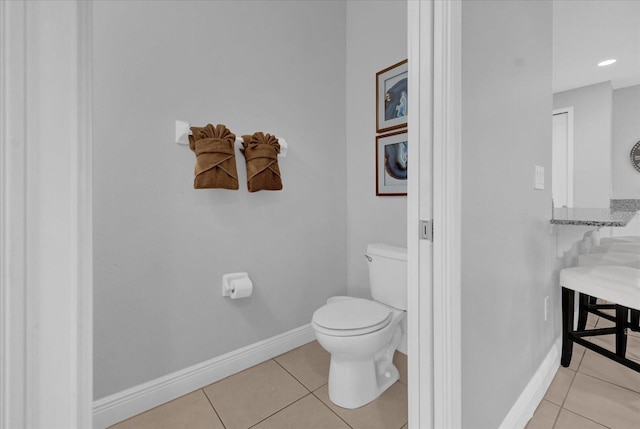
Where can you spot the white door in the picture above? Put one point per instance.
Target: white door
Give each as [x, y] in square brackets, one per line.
[562, 158]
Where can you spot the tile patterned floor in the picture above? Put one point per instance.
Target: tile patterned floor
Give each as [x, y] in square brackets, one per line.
[593, 392]
[289, 391]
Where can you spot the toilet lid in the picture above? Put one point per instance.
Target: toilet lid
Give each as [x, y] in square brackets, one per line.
[359, 315]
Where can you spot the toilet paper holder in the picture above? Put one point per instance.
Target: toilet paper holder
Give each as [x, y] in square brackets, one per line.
[227, 287]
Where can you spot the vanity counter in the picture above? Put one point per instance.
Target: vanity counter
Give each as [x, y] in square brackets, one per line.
[591, 217]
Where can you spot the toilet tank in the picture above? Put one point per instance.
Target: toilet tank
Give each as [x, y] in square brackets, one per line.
[388, 274]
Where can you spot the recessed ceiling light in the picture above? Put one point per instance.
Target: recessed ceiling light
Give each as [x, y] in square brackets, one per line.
[606, 63]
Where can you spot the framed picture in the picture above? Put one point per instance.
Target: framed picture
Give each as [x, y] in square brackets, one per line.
[391, 97]
[391, 164]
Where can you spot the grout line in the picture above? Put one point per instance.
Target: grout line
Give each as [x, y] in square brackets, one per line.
[214, 408]
[330, 409]
[294, 377]
[598, 378]
[555, 420]
[282, 409]
[584, 352]
[564, 398]
[611, 383]
[579, 415]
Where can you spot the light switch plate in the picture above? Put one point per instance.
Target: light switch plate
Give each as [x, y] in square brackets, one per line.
[539, 178]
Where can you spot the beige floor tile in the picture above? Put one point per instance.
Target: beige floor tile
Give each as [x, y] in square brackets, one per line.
[591, 320]
[608, 341]
[254, 394]
[576, 356]
[309, 364]
[544, 417]
[389, 411]
[400, 361]
[569, 420]
[633, 345]
[560, 386]
[605, 323]
[308, 413]
[602, 402]
[192, 411]
[598, 366]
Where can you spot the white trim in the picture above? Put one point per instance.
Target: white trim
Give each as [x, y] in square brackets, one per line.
[570, 151]
[532, 395]
[13, 382]
[46, 257]
[447, 313]
[82, 200]
[117, 407]
[419, 312]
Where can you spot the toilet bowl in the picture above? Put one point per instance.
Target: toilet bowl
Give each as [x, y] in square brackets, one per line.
[361, 334]
[361, 344]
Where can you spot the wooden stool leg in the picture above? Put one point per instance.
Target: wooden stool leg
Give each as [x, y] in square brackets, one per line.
[583, 313]
[568, 297]
[622, 314]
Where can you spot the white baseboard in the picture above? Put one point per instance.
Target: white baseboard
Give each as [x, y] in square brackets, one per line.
[531, 396]
[128, 403]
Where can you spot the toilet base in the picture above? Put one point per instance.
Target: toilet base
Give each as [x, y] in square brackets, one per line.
[354, 383]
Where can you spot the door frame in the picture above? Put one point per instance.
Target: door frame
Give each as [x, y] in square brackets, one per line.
[570, 153]
[46, 247]
[434, 192]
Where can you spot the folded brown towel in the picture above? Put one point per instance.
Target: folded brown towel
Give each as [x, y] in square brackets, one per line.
[215, 157]
[261, 152]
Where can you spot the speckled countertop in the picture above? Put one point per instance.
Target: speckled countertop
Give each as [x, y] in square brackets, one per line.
[591, 217]
[628, 205]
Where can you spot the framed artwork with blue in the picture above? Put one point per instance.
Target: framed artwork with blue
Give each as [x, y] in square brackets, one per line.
[391, 163]
[392, 97]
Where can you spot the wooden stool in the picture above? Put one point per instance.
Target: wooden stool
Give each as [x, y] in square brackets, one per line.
[618, 285]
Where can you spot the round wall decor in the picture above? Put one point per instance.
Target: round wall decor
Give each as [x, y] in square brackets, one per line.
[635, 156]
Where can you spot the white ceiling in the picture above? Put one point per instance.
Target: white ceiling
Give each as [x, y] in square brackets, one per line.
[586, 32]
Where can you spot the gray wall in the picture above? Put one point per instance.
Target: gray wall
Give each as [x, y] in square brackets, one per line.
[507, 251]
[161, 247]
[626, 133]
[591, 142]
[370, 219]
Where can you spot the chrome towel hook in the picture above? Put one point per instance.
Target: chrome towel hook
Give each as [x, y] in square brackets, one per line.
[368, 257]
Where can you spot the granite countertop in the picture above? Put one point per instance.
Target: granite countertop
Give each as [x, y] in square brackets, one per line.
[598, 217]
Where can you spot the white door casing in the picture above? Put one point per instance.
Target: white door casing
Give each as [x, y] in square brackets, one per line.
[434, 192]
[562, 159]
[45, 191]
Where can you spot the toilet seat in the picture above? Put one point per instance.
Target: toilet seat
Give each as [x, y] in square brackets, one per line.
[351, 317]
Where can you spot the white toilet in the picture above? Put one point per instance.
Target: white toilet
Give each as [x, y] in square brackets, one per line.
[361, 334]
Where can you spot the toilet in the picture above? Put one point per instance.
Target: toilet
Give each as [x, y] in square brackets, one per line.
[362, 334]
